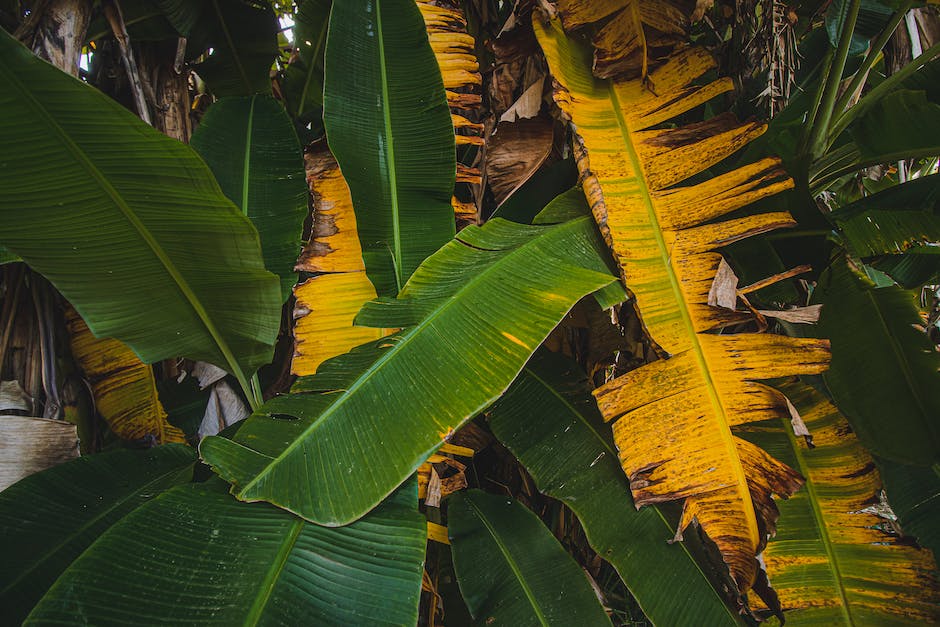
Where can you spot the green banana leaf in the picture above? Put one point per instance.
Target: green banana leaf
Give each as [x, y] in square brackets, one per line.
[511, 569]
[903, 121]
[7, 257]
[916, 267]
[550, 422]
[474, 311]
[914, 494]
[303, 78]
[243, 37]
[48, 519]
[873, 16]
[389, 127]
[195, 555]
[894, 220]
[150, 20]
[832, 561]
[883, 374]
[128, 224]
[250, 145]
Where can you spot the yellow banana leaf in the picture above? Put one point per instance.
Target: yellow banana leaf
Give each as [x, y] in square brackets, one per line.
[328, 303]
[674, 417]
[453, 48]
[124, 388]
[832, 562]
[624, 44]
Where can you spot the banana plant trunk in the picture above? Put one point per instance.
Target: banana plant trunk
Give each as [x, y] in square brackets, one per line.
[56, 31]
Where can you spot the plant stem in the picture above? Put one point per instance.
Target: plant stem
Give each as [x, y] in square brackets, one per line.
[817, 142]
[255, 398]
[870, 59]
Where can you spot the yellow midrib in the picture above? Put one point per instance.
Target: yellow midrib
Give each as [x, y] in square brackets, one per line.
[718, 408]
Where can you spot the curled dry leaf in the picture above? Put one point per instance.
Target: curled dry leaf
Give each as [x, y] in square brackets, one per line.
[516, 151]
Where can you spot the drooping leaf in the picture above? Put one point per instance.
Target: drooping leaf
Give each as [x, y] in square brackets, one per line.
[303, 78]
[48, 519]
[244, 564]
[389, 127]
[674, 416]
[873, 16]
[904, 122]
[516, 152]
[250, 145]
[242, 35]
[892, 373]
[128, 224]
[894, 220]
[475, 311]
[511, 569]
[124, 388]
[832, 562]
[328, 303]
[549, 420]
[912, 269]
[637, 34]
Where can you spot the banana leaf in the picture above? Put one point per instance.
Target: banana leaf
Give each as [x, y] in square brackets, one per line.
[303, 78]
[550, 422]
[250, 145]
[244, 564]
[473, 312]
[242, 35]
[834, 560]
[887, 385]
[128, 224]
[673, 417]
[124, 388]
[511, 569]
[893, 220]
[48, 519]
[389, 127]
[914, 494]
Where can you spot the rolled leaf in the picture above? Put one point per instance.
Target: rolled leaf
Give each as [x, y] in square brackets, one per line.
[391, 132]
[674, 416]
[475, 311]
[549, 421]
[245, 565]
[511, 569]
[48, 519]
[128, 224]
[251, 147]
[832, 562]
[892, 373]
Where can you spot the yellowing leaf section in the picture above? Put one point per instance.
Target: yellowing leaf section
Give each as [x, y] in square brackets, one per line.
[124, 388]
[635, 30]
[328, 303]
[674, 417]
[831, 562]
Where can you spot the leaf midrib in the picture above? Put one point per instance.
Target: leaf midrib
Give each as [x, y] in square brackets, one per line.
[231, 46]
[271, 578]
[445, 305]
[510, 560]
[84, 162]
[246, 161]
[821, 524]
[389, 148]
[311, 64]
[724, 430]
